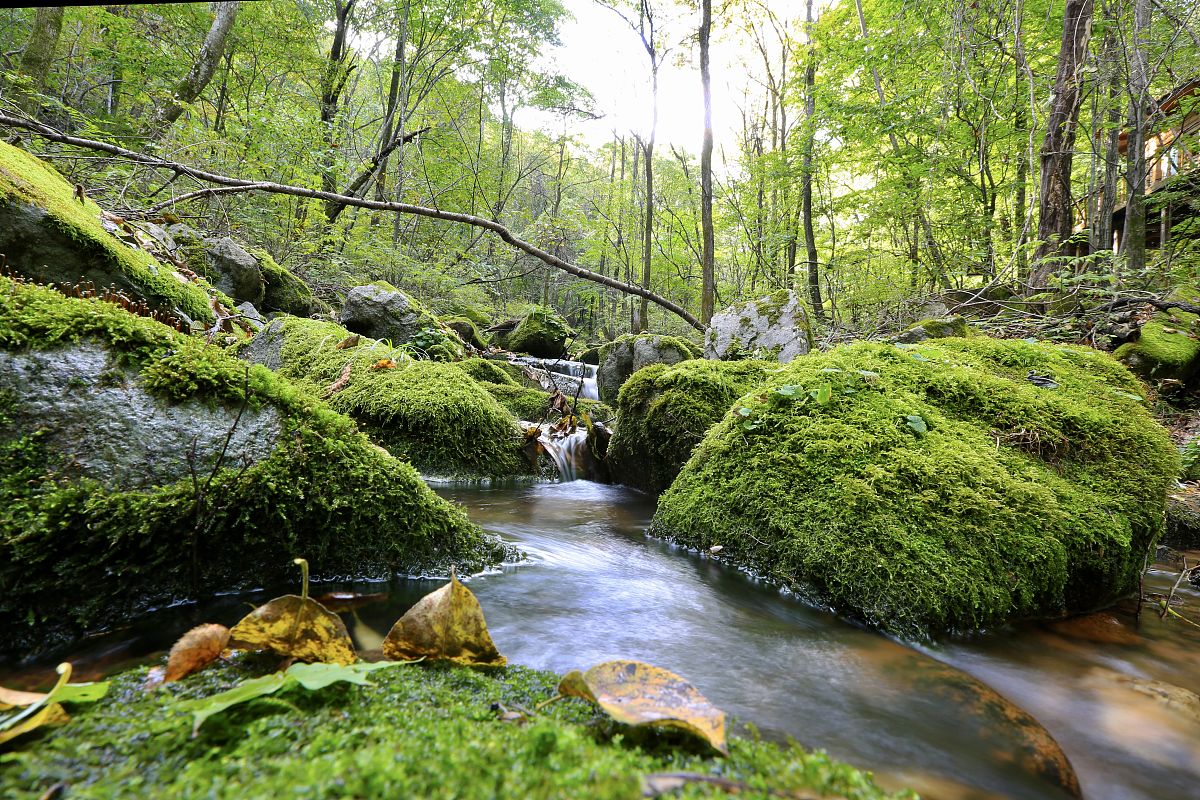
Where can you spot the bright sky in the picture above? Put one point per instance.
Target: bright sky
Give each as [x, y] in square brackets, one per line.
[603, 54]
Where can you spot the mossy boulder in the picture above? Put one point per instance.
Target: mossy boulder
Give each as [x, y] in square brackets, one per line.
[1183, 519]
[381, 311]
[532, 405]
[663, 412]
[1168, 347]
[418, 731]
[467, 330]
[623, 357]
[542, 333]
[90, 535]
[937, 328]
[935, 488]
[50, 237]
[776, 326]
[285, 292]
[437, 416]
[489, 370]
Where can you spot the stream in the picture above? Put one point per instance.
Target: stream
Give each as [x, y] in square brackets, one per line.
[1117, 698]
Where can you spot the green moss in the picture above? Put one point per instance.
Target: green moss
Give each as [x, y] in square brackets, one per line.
[541, 333]
[531, 405]
[75, 556]
[435, 343]
[436, 415]
[487, 369]
[466, 330]
[663, 412]
[285, 292]
[1168, 346]
[940, 328]
[772, 305]
[936, 489]
[416, 731]
[622, 357]
[25, 178]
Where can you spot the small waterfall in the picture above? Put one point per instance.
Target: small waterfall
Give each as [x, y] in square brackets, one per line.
[569, 377]
[568, 451]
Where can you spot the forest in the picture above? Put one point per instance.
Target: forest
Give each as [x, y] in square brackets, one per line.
[808, 393]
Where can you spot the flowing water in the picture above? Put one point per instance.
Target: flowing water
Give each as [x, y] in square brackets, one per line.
[572, 378]
[1118, 698]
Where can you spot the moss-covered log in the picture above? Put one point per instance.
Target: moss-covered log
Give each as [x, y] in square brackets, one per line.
[936, 487]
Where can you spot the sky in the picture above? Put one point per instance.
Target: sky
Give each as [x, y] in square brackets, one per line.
[602, 53]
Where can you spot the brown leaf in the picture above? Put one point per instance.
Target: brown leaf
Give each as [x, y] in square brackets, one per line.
[195, 650]
[341, 383]
[297, 627]
[635, 693]
[348, 342]
[384, 363]
[444, 625]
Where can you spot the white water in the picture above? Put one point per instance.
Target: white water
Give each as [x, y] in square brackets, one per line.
[569, 377]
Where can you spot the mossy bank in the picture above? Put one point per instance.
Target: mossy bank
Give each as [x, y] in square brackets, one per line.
[935, 487]
[417, 731]
[80, 549]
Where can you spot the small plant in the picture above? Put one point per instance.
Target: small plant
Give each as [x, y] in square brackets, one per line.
[1190, 456]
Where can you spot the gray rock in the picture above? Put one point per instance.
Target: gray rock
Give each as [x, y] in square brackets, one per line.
[106, 426]
[625, 356]
[251, 315]
[234, 271]
[267, 347]
[775, 326]
[381, 311]
[939, 328]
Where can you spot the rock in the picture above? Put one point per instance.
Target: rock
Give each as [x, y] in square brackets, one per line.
[628, 354]
[49, 237]
[442, 420]
[775, 326]
[1168, 346]
[542, 333]
[467, 330]
[664, 411]
[381, 311]
[101, 517]
[934, 489]
[285, 292]
[250, 314]
[590, 355]
[1183, 519]
[233, 270]
[938, 328]
[1101, 628]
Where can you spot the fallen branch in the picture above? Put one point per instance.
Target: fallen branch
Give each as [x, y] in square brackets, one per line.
[499, 230]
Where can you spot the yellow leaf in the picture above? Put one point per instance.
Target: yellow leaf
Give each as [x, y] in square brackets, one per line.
[51, 714]
[444, 625]
[195, 650]
[296, 627]
[635, 693]
[384, 363]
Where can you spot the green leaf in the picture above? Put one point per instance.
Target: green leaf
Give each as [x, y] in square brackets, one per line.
[1130, 395]
[916, 424]
[745, 412]
[788, 390]
[824, 394]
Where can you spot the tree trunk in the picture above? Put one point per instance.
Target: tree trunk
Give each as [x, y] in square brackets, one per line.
[39, 54]
[708, 252]
[806, 170]
[1134, 236]
[332, 82]
[195, 82]
[1054, 210]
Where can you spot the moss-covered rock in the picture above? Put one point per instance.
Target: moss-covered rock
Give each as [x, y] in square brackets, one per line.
[532, 405]
[382, 311]
[285, 292]
[415, 731]
[939, 328]
[776, 326]
[935, 487]
[1183, 519]
[81, 549]
[467, 330]
[626, 355]
[435, 414]
[663, 412]
[542, 333]
[489, 370]
[49, 236]
[1168, 346]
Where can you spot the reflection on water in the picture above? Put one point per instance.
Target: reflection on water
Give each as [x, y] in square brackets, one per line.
[596, 587]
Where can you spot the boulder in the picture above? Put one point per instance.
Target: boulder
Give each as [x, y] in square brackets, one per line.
[445, 422]
[381, 311]
[49, 236]
[936, 328]
[775, 326]
[625, 356]
[1168, 346]
[664, 411]
[233, 270]
[467, 331]
[110, 421]
[936, 487]
[285, 292]
[542, 333]
[1183, 519]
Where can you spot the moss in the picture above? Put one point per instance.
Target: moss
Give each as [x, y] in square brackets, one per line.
[936, 488]
[435, 343]
[541, 333]
[442, 420]
[1168, 346]
[27, 179]
[938, 328]
[74, 556]
[624, 356]
[486, 369]
[416, 731]
[531, 405]
[772, 305]
[285, 292]
[466, 330]
[663, 412]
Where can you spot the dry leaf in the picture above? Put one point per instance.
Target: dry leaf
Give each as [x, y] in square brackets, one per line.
[444, 625]
[195, 650]
[27, 711]
[341, 383]
[349, 341]
[635, 693]
[384, 363]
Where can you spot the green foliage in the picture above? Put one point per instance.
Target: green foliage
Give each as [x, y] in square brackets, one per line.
[938, 489]
[1189, 456]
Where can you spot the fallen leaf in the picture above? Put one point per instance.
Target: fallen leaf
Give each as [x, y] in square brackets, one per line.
[384, 363]
[444, 625]
[31, 710]
[297, 627]
[341, 383]
[195, 650]
[348, 342]
[636, 693]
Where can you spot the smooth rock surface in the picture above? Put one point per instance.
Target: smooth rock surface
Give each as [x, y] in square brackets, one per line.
[775, 326]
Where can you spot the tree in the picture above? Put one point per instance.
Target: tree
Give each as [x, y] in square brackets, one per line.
[708, 255]
[198, 77]
[39, 54]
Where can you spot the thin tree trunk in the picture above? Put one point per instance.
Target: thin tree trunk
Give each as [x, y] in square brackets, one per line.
[202, 71]
[39, 55]
[332, 82]
[708, 251]
[806, 170]
[1134, 236]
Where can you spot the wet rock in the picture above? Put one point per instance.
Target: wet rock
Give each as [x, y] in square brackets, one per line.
[628, 354]
[1101, 628]
[1183, 519]
[773, 327]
